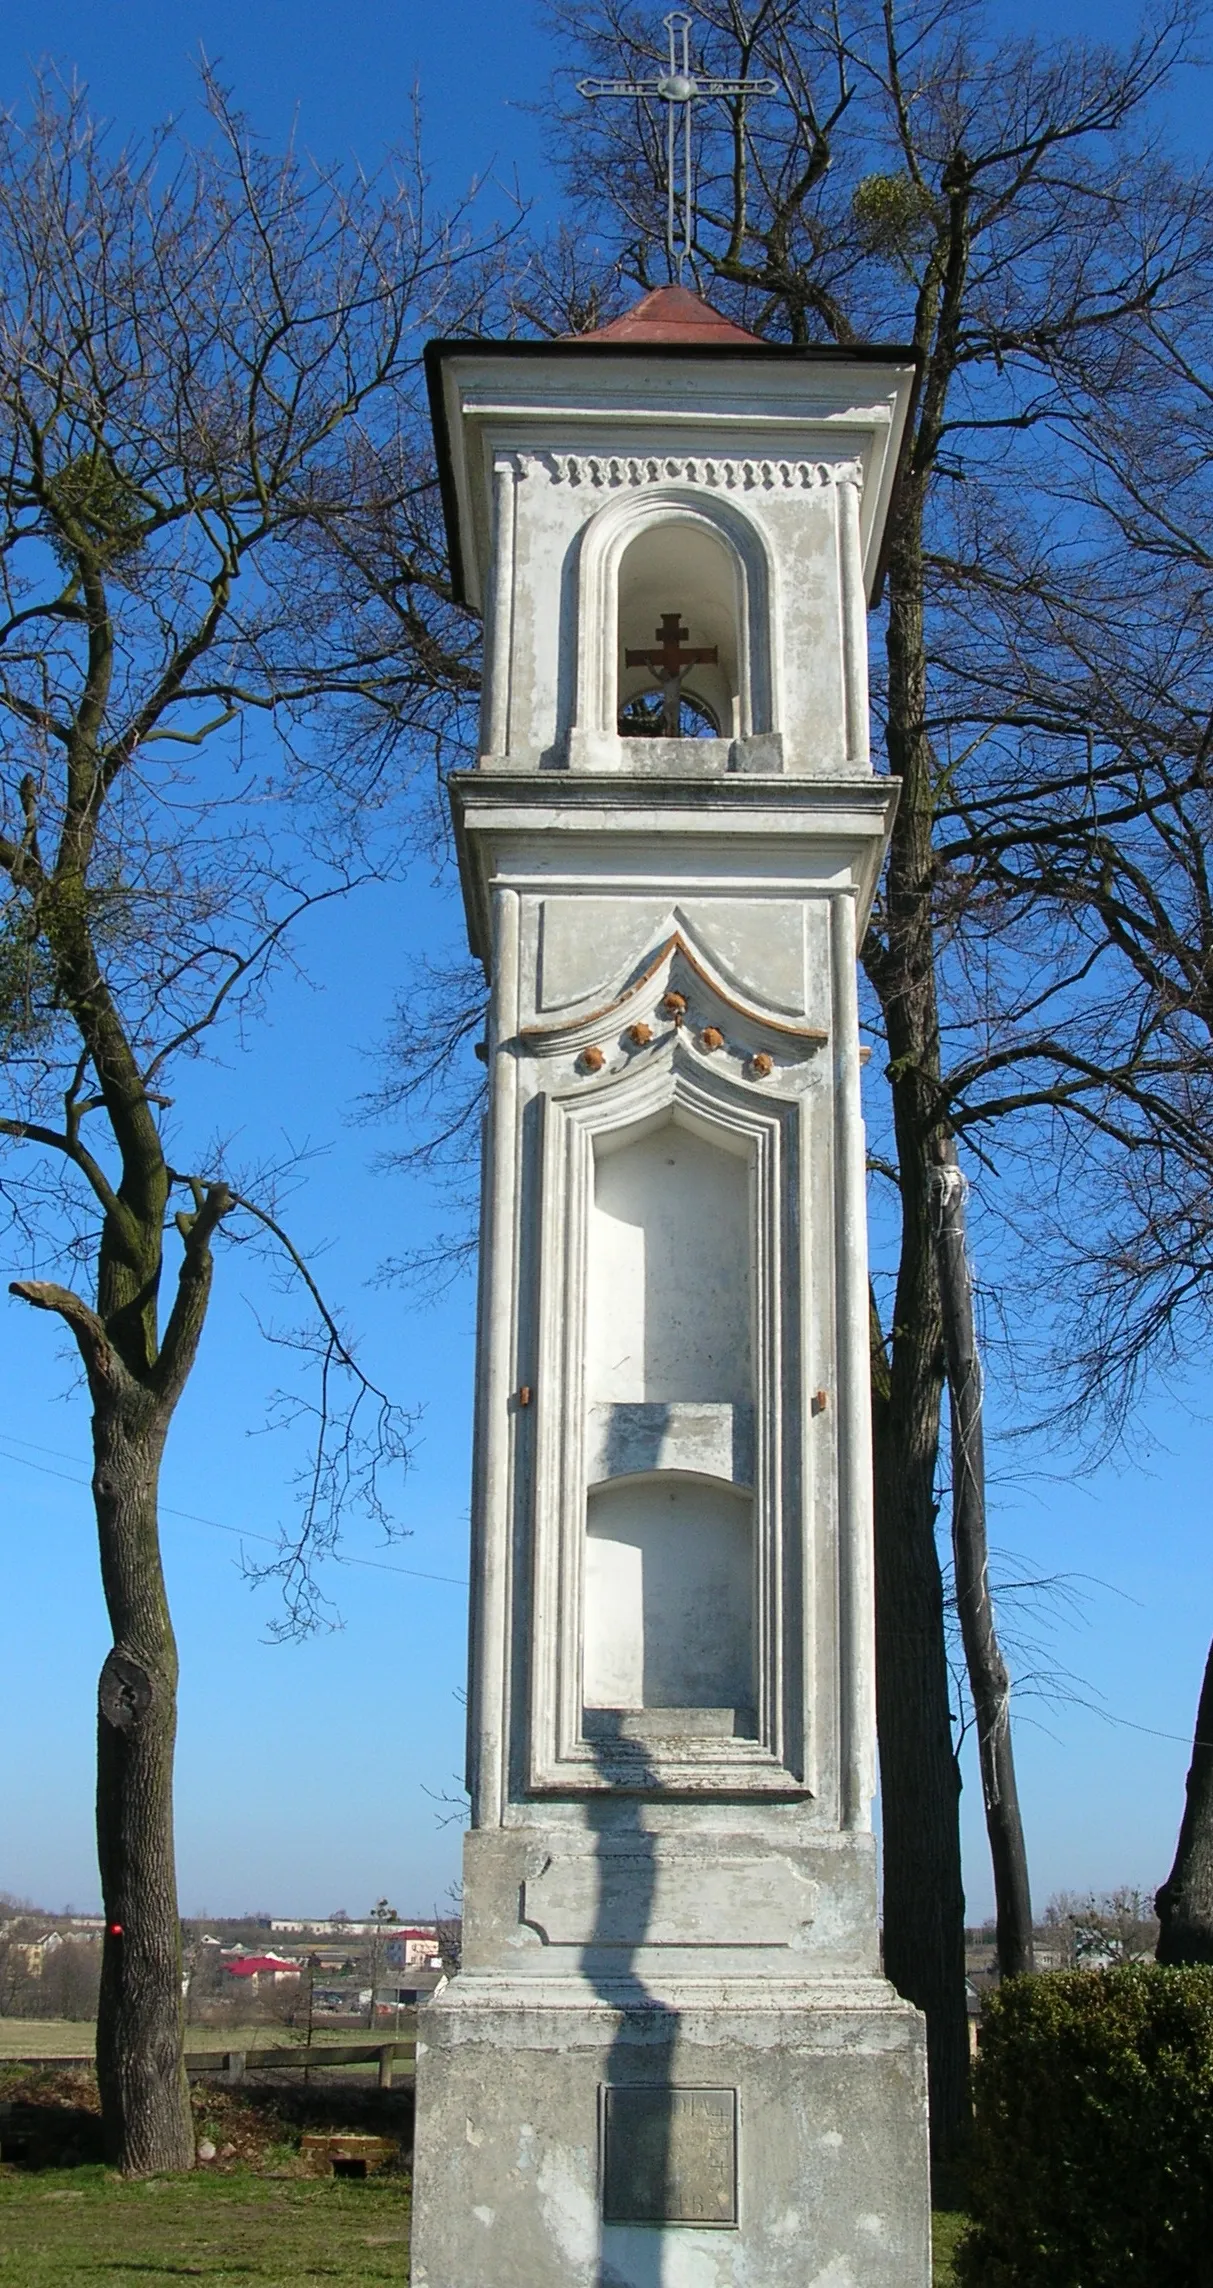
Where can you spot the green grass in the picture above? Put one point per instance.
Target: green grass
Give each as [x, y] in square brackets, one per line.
[946, 2228]
[85, 2228]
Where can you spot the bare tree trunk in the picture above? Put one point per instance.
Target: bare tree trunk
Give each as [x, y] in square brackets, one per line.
[145, 2107]
[989, 1680]
[920, 1781]
[1185, 1903]
[923, 1897]
[140, 2073]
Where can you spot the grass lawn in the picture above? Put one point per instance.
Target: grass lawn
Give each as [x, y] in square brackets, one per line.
[946, 2228]
[253, 2216]
[84, 2228]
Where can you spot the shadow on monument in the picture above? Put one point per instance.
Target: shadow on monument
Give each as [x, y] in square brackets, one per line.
[635, 2141]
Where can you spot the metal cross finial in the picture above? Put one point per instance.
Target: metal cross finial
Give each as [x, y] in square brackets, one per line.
[679, 89]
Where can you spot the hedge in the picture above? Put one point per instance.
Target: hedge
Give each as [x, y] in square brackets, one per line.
[1093, 2135]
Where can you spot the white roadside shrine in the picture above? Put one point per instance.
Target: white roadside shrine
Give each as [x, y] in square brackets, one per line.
[670, 2059]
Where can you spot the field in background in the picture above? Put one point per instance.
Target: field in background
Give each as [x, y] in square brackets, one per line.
[44, 2037]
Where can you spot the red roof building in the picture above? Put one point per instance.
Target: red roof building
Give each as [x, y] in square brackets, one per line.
[264, 1965]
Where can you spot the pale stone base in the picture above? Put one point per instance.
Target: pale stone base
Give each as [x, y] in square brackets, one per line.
[832, 2187]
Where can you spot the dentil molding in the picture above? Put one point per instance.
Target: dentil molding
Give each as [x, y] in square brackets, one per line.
[610, 471]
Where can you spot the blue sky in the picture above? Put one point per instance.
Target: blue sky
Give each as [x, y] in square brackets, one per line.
[302, 1769]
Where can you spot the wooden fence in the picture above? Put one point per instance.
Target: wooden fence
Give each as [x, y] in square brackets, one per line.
[234, 2064]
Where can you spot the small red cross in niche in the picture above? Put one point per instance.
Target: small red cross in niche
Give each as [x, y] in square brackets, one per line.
[670, 661]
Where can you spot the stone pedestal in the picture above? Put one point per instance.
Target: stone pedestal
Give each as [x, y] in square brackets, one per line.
[700, 2134]
[669, 2059]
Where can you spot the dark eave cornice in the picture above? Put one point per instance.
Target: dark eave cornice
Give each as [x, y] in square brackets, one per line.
[693, 353]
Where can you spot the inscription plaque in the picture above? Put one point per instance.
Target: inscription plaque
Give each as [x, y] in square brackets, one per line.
[669, 2156]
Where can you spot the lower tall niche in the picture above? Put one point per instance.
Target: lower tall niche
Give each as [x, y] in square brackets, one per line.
[669, 1595]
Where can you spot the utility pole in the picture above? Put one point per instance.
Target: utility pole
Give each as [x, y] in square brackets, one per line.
[381, 1913]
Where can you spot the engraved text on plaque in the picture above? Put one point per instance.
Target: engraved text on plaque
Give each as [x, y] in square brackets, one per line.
[669, 2156]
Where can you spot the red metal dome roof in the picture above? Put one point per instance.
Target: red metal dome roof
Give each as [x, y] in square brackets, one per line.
[671, 314]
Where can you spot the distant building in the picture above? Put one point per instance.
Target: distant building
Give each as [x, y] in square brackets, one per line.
[36, 1952]
[339, 1926]
[273, 1968]
[330, 1926]
[390, 1998]
[412, 1947]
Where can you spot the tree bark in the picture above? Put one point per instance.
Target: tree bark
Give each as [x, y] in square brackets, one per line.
[145, 2108]
[989, 1680]
[920, 1781]
[923, 1895]
[1185, 1903]
[140, 2073]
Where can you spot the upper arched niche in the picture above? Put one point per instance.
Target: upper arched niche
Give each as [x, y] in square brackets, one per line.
[683, 578]
[675, 554]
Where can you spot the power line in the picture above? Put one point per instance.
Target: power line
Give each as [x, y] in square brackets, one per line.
[448, 1580]
[243, 1533]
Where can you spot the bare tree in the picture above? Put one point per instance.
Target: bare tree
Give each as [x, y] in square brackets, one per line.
[996, 203]
[1099, 1930]
[1108, 853]
[448, 1931]
[209, 422]
[989, 1677]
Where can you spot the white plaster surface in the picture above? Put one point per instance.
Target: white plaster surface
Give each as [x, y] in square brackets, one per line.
[680, 1887]
[587, 943]
[759, 461]
[673, 1321]
[639, 2256]
[854, 2214]
[774, 948]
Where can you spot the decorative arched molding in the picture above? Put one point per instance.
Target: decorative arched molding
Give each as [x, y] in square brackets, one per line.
[604, 543]
[677, 962]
